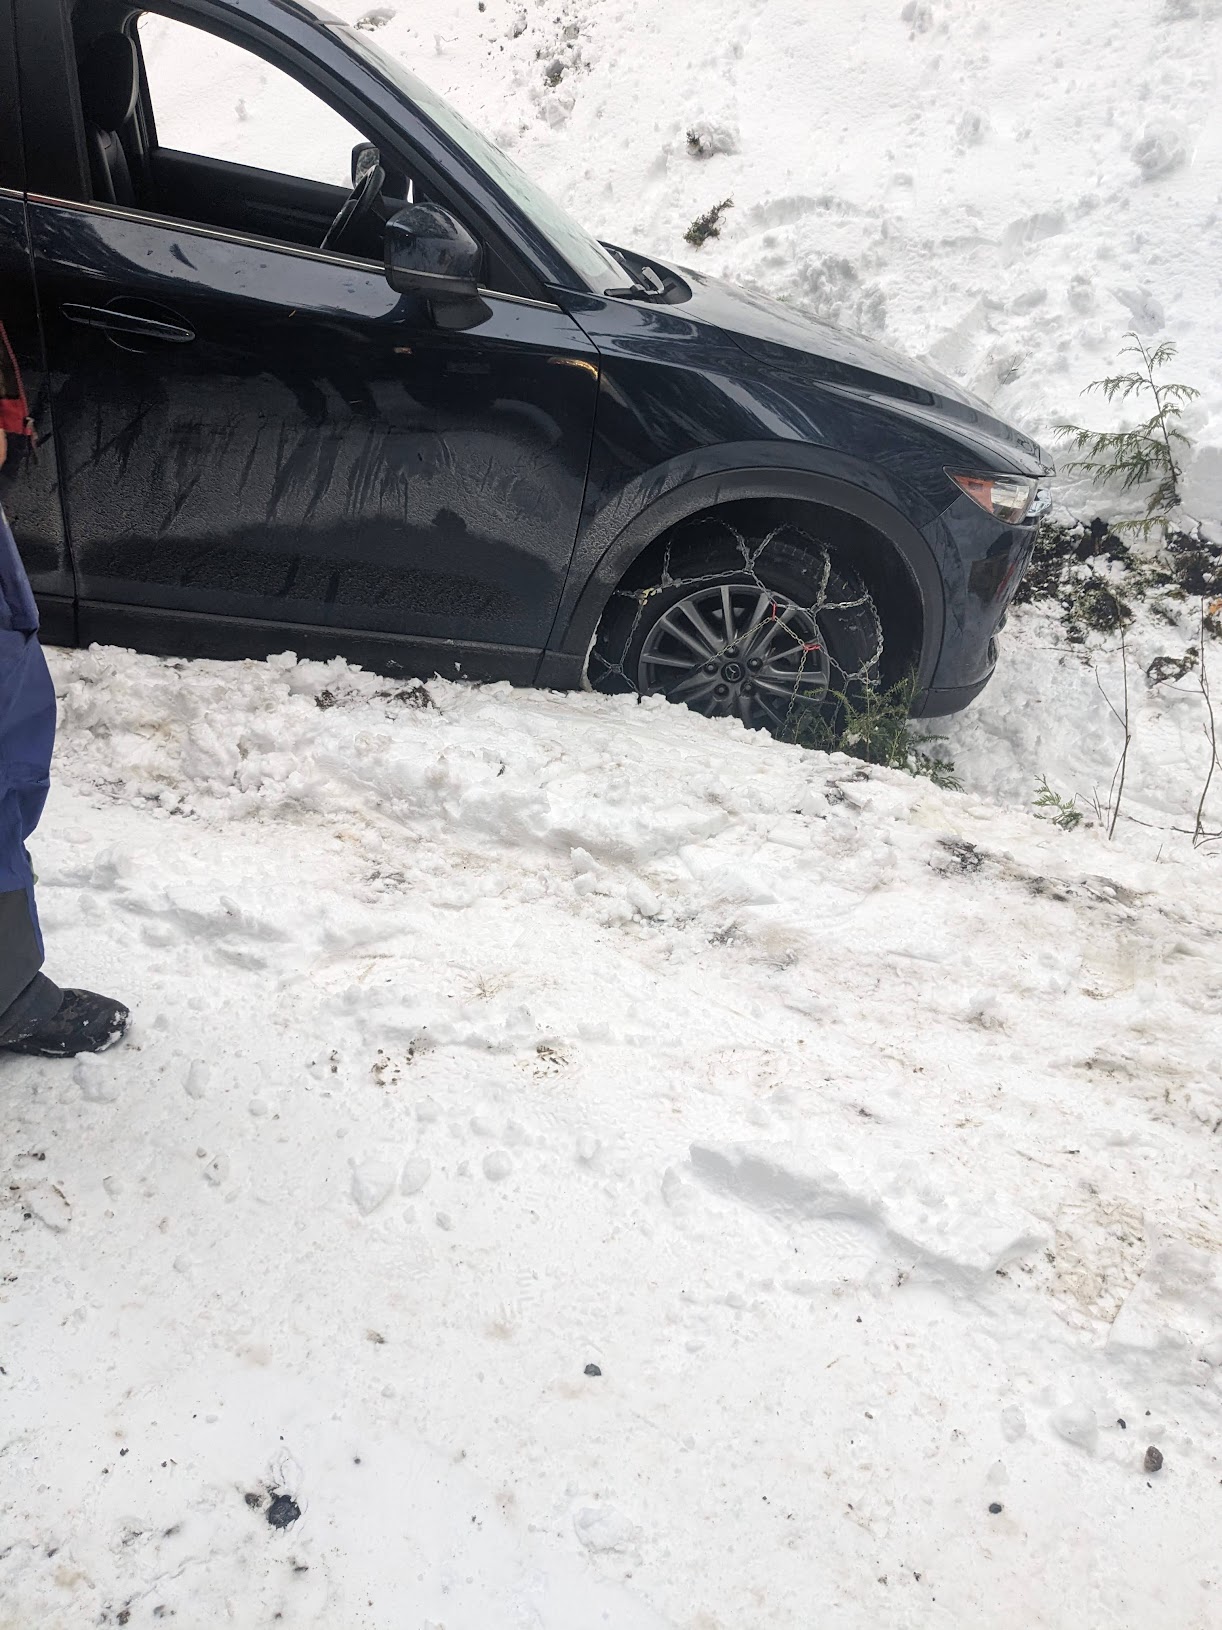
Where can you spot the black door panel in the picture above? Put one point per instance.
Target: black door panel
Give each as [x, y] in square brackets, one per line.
[29, 485]
[320, 453]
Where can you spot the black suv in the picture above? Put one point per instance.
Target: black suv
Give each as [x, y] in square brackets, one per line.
[421, 419]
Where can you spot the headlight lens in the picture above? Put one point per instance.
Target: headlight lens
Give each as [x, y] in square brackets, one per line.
[1006, 497]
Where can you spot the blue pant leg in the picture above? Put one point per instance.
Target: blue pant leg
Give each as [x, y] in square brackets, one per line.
[27, 737]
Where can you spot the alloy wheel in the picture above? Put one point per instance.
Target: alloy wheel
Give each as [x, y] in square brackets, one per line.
[735, 649]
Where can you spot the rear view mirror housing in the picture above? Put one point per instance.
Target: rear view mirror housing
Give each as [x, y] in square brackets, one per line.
[429, 252]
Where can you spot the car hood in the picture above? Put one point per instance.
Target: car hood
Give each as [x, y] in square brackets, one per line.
[782, 337]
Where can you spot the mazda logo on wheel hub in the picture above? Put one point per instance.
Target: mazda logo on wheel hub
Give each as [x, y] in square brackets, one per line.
[733, 671]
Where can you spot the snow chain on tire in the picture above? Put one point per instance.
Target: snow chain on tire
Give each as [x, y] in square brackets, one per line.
[791, 616]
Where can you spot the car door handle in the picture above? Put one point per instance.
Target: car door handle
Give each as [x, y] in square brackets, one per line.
[127, 322]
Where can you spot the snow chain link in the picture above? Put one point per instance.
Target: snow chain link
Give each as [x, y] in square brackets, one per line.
[603, 668]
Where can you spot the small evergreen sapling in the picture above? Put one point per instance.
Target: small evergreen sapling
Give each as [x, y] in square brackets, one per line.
[1067, 815]
[1146, 453]
[875, 725]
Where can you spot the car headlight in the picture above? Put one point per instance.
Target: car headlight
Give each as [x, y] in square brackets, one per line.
[1006, 497]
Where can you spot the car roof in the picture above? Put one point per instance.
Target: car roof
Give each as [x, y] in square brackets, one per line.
[302, 11]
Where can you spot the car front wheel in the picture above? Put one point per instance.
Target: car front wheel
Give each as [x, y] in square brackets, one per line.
[759, 629]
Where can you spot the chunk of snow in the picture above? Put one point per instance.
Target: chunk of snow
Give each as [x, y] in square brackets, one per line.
[1158, 150]
[373, 1182]
[416, 1173]
[642, 898]
[96, 1079]
[196, 1082]
[1076, 1423]
[603, 1528]
[1013, 1423]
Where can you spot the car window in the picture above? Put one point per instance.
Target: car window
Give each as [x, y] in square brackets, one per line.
[219, 101]
[580, 248]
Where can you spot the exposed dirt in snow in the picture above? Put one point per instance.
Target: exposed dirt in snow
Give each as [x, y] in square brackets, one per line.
[862, 1135]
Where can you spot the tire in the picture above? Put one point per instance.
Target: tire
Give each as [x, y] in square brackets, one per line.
[764, 629]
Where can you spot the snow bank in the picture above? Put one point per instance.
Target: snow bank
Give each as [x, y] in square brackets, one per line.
[1059, 712]
[576, 1163]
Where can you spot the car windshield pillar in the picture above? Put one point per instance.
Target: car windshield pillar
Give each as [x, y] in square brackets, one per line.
[591, 266]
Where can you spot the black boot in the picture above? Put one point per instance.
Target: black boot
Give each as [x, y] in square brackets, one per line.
[82, 1023]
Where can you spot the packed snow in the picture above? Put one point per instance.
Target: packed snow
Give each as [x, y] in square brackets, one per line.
[579, 1164]
[862, 1135]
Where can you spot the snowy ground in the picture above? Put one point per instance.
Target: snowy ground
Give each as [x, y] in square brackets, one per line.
[864, 1136]
[1056, 712]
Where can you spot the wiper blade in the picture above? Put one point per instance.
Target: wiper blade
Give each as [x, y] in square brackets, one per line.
[634, 288]
[650, 289]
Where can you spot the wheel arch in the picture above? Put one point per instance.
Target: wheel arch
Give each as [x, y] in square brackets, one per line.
[564, 662]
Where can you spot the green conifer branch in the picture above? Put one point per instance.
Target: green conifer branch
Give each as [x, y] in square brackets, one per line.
[1145, 452]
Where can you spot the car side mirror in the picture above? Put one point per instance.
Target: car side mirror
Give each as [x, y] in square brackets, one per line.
[364, 156]
[428, 252]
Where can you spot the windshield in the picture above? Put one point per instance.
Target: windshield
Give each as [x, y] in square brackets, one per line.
[584, 253]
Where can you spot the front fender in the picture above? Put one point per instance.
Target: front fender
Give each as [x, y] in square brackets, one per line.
[655, 502]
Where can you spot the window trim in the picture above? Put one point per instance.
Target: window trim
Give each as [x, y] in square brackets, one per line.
[12, 146]
[147, 105]
[286, 54]
[49, 98]
[143, 217]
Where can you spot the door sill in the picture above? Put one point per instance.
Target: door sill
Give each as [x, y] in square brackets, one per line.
[199, 634]
[56, 619]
